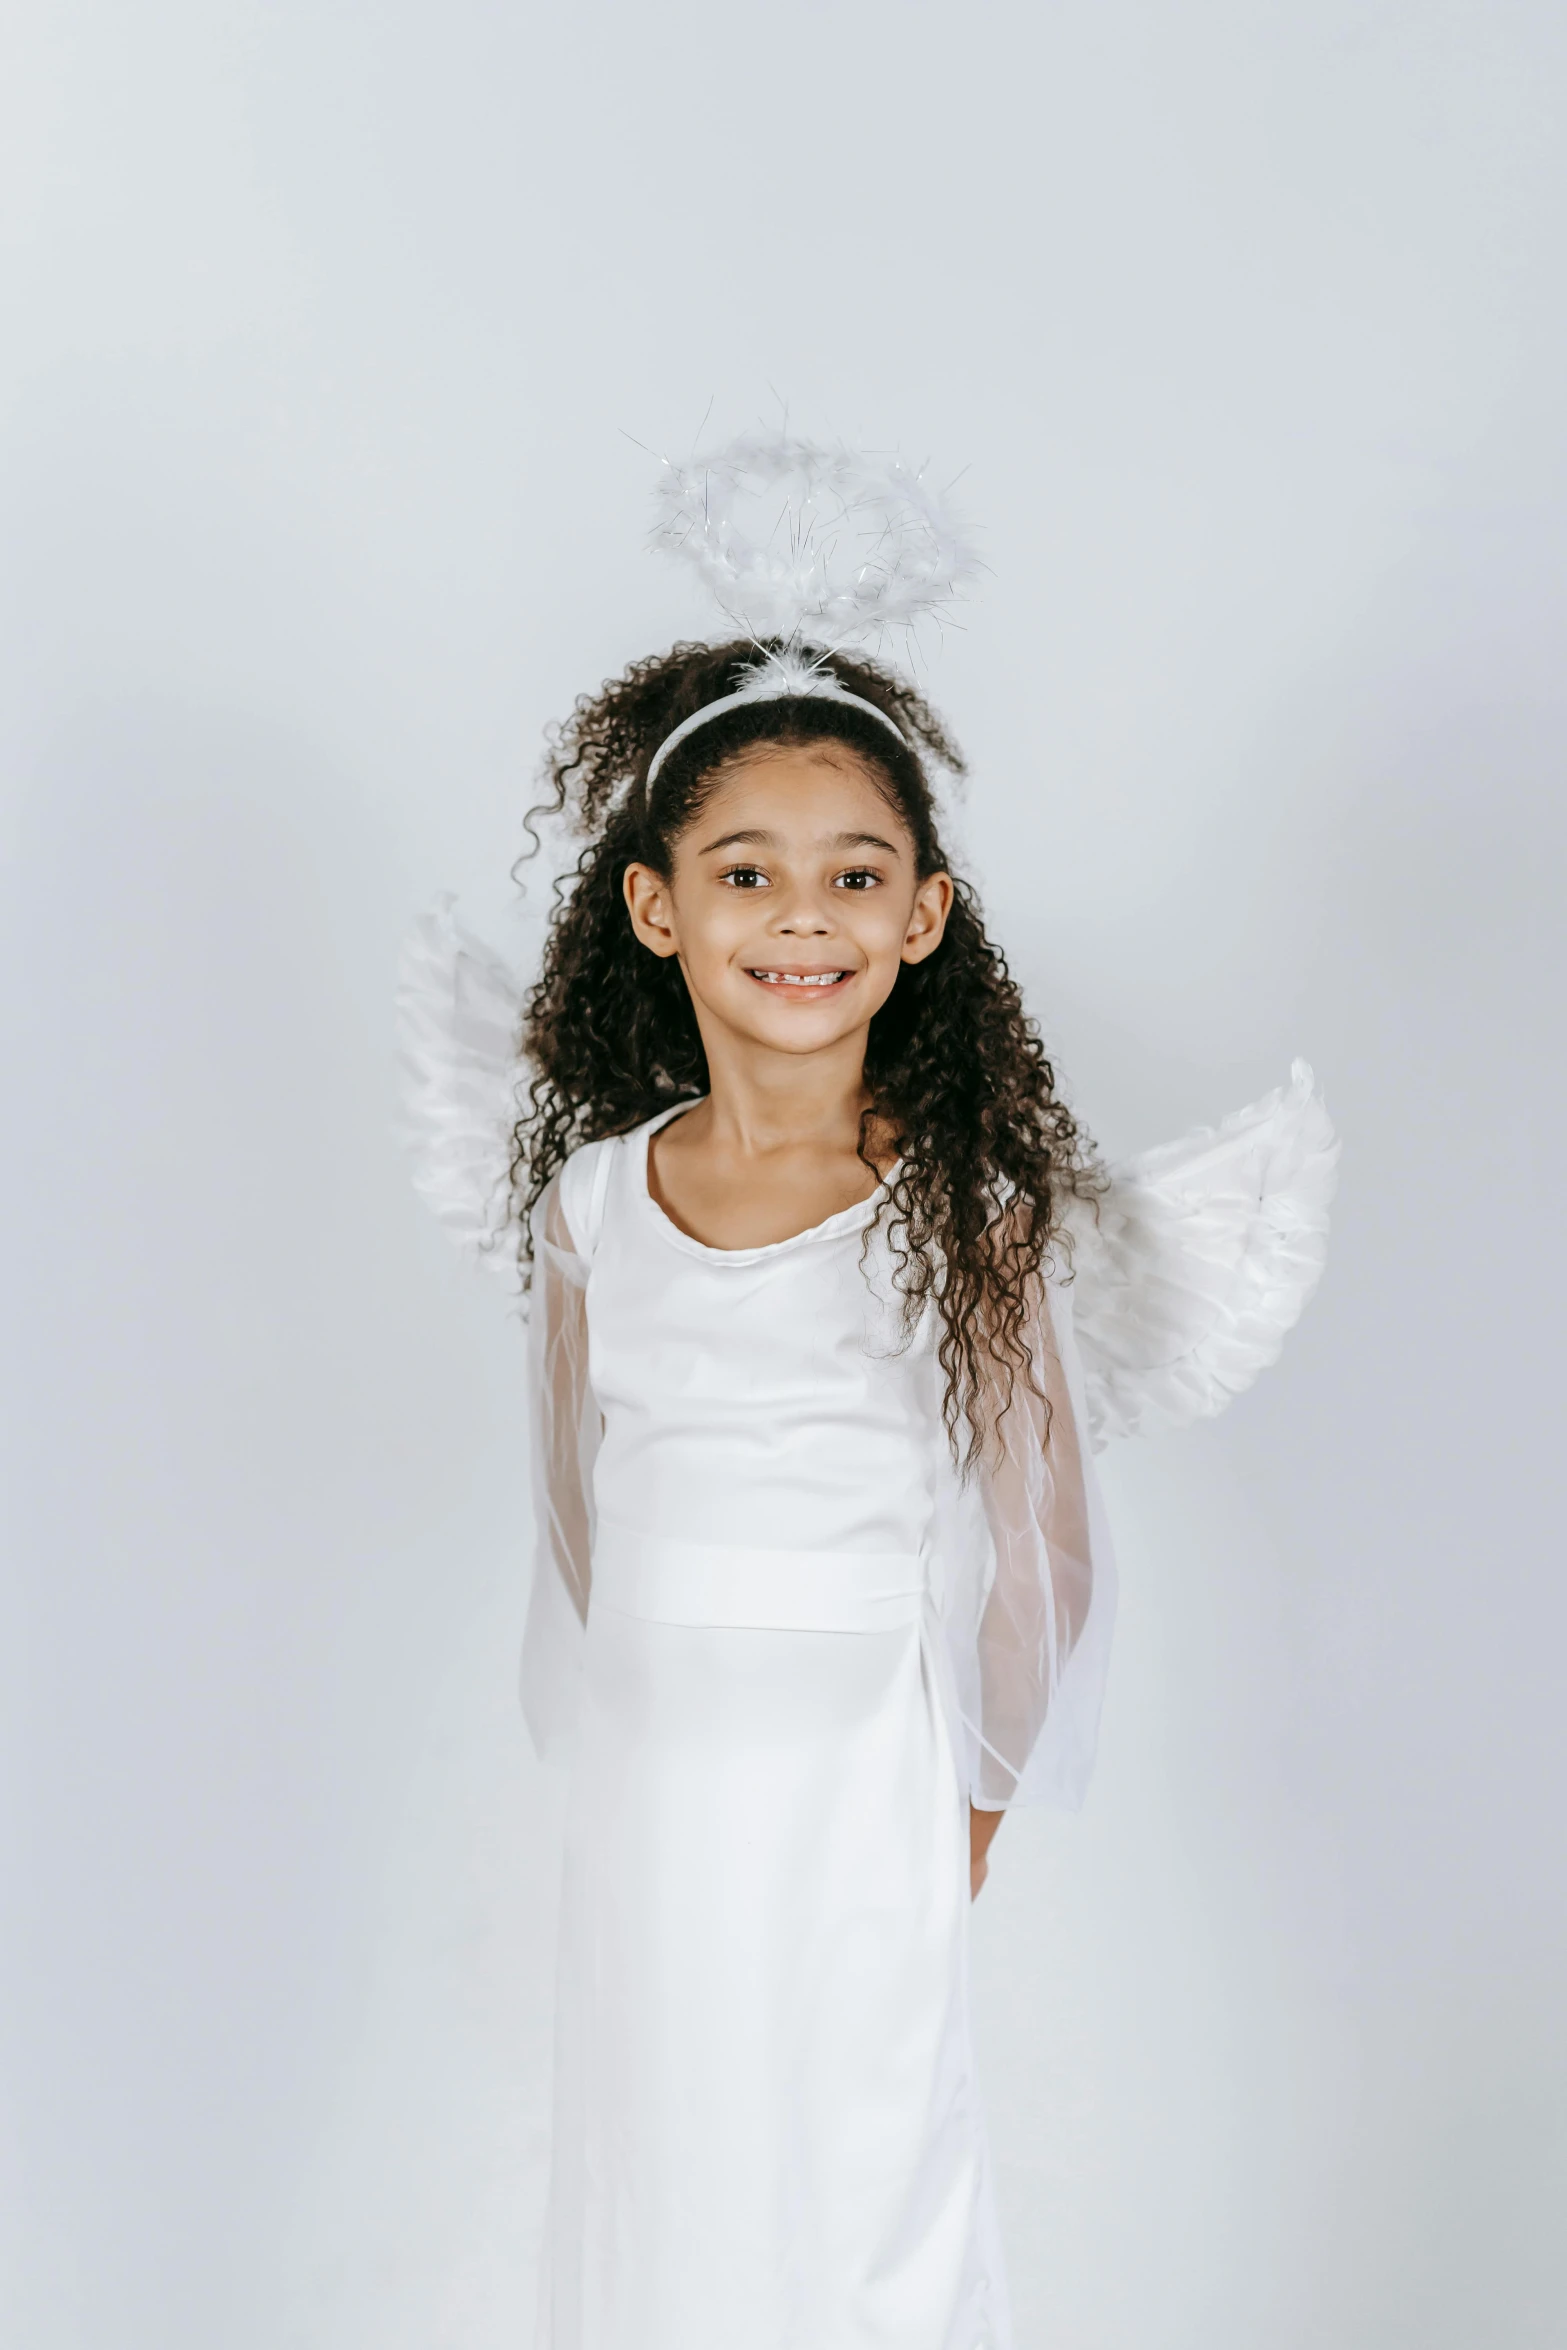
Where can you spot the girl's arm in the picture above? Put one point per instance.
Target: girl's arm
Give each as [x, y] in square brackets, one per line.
[982, 1826]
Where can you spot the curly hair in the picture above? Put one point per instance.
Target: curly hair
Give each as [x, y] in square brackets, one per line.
[955, 1071]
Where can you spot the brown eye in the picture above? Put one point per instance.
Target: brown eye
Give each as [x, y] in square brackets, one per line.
[859, 877]
[746, 877]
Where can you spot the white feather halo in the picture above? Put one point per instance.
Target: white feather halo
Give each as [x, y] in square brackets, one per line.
[793, 539]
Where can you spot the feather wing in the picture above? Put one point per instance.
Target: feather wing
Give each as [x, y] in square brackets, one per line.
[459, 1015]
[1199, 1262]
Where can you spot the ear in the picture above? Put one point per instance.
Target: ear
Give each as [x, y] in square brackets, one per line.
[651, 909]
[928, 918]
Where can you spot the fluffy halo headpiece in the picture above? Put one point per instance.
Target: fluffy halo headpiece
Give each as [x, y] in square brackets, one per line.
[795, 540]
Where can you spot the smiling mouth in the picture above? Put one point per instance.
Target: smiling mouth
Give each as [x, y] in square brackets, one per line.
[801, 979]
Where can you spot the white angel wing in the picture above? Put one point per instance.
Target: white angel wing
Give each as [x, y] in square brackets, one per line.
[459, 1013]
[1199, 1262]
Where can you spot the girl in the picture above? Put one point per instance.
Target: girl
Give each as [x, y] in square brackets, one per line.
[823, 1581]
[801, 1267]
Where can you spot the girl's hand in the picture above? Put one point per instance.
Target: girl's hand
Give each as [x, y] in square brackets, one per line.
[982, 1826]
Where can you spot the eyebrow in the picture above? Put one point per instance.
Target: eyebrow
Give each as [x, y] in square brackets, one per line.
[769, 840]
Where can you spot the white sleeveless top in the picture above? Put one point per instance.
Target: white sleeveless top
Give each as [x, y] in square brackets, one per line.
[761, 1397]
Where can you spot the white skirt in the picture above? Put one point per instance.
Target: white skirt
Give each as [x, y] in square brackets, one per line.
[767, 2135]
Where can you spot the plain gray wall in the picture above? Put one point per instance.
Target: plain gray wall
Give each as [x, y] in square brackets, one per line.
[331, 331]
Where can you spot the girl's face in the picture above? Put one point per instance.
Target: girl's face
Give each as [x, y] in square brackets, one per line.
[792, 900]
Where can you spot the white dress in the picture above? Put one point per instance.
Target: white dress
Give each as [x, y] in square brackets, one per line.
[767, 2129]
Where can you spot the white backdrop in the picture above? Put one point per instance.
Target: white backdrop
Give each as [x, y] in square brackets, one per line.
[330, 333]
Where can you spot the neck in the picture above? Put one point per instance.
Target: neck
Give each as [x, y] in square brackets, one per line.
[760, 1101]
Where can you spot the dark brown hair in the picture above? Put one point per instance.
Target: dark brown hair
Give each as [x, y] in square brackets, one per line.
[956, 1072]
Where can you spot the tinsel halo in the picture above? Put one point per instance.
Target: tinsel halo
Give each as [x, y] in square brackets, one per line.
[794, 539]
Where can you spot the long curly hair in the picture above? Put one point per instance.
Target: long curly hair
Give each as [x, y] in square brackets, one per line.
[955, 1070]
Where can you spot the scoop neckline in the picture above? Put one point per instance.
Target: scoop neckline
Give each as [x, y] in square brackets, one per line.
[844, 1219]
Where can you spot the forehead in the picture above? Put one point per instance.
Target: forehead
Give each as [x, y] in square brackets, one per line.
[801, 791]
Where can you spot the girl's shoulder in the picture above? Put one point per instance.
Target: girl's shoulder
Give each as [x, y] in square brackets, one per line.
[583, 1182]
[581, 1185]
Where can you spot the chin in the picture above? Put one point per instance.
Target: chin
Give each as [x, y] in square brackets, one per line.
[797, 1033]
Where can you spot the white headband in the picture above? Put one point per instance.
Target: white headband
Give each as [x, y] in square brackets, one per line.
[783, 677]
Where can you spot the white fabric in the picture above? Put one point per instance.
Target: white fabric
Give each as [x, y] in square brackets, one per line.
[788, 1642]
[1189, 1274]
[765, 2132]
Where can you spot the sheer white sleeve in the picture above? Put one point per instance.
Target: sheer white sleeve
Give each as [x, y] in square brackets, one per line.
[1030, 1587]
[566, 1428]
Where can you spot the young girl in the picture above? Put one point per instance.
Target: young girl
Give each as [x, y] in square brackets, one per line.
[823, 1581]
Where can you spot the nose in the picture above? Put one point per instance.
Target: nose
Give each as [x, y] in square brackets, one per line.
[803, 916]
